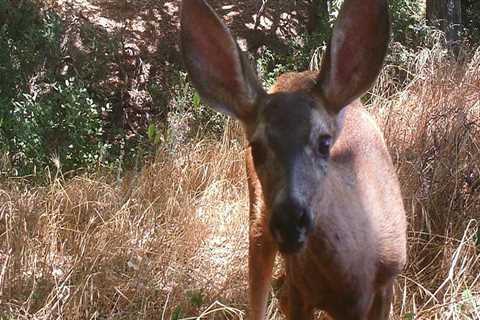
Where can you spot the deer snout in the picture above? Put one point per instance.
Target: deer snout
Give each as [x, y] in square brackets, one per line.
[290, 224]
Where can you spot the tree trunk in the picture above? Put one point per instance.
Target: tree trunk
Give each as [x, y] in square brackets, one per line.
[318, 17]
[437, 13]
[446, 15]
[454, 28]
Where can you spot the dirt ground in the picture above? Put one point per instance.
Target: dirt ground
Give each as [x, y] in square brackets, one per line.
[153, 26]
[149, 56]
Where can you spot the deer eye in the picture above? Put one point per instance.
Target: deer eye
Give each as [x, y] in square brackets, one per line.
[324, 143]
[259, 153]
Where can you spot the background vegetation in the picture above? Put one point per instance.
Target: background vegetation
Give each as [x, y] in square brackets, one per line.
[123, 197]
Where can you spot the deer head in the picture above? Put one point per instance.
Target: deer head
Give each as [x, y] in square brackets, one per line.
[292, 130]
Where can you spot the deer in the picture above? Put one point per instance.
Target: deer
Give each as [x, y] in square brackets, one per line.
[323, 190]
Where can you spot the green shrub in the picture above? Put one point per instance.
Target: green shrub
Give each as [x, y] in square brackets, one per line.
[45, 114]
[409, 32]
[471, 19]
[408, 23]
[188, 117]
[60, 123]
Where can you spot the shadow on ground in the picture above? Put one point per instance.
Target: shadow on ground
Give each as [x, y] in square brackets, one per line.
[145, 68]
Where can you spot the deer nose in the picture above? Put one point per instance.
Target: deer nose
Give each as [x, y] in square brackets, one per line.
[290, 224]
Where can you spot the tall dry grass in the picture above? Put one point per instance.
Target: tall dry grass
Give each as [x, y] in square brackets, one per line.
[432, 128]
[88, 248]
[171, 241]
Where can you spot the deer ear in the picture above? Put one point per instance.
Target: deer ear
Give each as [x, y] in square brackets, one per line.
[356, 52]
[222, 76]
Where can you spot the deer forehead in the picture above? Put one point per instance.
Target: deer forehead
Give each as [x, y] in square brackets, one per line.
[292, 119]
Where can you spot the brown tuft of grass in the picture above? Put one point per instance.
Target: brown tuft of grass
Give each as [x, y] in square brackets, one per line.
[170, 241]
[432, 128]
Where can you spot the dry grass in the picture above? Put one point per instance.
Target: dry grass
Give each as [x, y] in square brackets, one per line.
[173, 238]
[87, 248]
[432, 128]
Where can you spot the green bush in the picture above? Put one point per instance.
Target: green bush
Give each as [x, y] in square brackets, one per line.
[61, 122]
[409, 32]
[408, 23]
[471, 19]
[45, 114]
[188, 117]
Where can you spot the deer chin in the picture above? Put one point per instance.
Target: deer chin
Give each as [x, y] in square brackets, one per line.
[289, 248]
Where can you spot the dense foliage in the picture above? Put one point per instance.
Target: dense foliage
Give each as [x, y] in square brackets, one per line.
[58, 107]
[471, 19]
[47, 116]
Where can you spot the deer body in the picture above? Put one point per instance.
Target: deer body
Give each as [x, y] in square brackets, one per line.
[323, 190]
[354, 250]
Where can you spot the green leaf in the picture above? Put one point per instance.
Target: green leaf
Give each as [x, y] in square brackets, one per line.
[409, 315]
[151, 131]
[177, 312]
[467, 295]
[196, 100]
[477, 238]
[196, 297]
